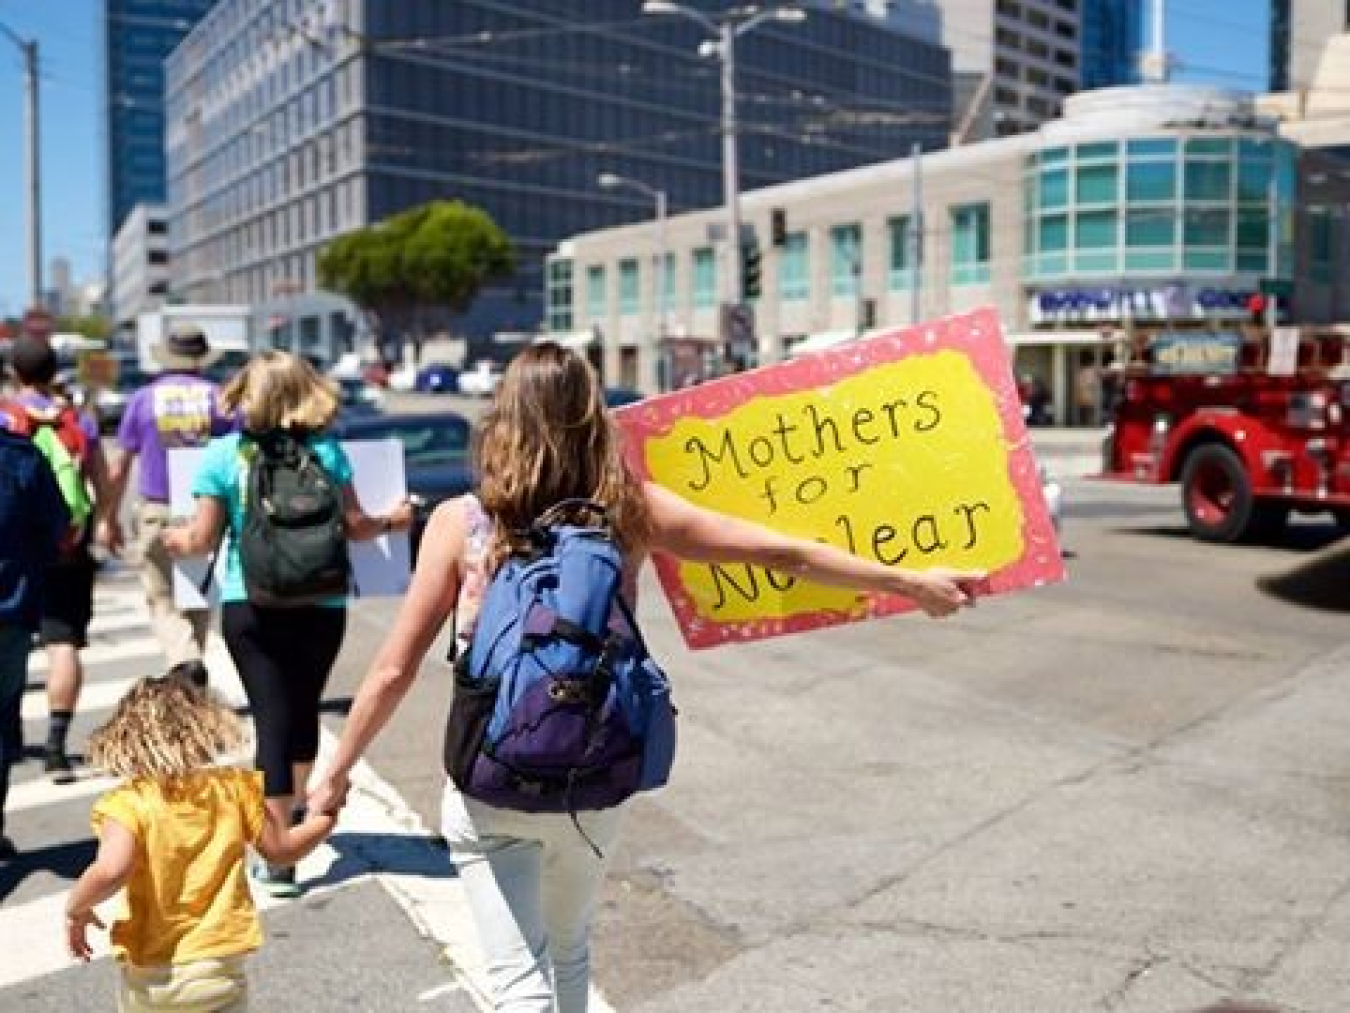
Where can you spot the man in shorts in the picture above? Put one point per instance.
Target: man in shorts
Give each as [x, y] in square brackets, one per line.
[179, 409]
[68, 602]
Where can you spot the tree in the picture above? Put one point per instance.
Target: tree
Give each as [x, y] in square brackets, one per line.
[91, 326]
[435, 256]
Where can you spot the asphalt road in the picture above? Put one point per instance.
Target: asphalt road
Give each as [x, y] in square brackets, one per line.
[1126, 792]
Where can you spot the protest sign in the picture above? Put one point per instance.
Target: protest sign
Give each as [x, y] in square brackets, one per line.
[380, 567]
[908, 448]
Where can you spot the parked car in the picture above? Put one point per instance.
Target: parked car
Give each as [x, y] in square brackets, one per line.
[617, 397]
[110, 403]
[358, 397]
[435, 455]
[437, 378]
[481, 380]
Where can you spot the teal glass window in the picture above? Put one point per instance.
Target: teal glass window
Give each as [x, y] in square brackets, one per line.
[1102, 150]
[1151, 181]
[901, 274]
[1253, 228]
[1152, 147]
[1208, 181]
[1054, 188]
[704, 277]
[1096, 184]
[970, 244]
[1095, 230]
[1054, 156]
[1150, 227]
[1054, 233]
[560, 295]
[1321, 248]
[595, 291]
[845, 260]
[794, 274]
[1220, 147]
[628, 287]
[1207, 227]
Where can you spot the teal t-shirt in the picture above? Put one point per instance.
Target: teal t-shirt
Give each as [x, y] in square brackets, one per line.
[222, 475]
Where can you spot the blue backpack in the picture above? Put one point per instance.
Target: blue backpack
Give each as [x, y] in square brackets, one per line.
[558, 707]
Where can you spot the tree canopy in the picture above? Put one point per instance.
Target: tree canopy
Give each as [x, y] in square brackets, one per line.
[435, 255]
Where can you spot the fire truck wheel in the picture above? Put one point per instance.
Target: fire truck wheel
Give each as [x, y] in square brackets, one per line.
[1217, 495]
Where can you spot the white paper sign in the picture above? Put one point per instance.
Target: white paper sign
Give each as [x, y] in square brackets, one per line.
[1283, 359]
[381, 568]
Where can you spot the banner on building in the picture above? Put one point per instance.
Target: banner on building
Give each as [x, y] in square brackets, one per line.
[908, 448]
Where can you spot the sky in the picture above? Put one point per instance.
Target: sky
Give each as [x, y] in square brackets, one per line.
[1217, 42]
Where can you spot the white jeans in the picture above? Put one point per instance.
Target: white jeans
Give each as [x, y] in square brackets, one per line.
[531, 880]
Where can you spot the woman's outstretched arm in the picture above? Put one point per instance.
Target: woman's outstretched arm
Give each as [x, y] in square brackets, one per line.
[430, 599]
[692, 532]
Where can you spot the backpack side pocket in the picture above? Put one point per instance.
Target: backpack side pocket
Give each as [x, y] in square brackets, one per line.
[471, 709]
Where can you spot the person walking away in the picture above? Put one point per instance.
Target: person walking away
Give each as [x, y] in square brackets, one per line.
[33, 520]
[284, 650]
[179, 409]
[70, 443]
[531, 878]
[174, 835]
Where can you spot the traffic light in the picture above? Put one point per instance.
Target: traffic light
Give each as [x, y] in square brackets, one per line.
[751, 277]
[1256, 308]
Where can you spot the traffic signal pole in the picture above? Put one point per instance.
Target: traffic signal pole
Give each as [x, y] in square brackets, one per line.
[29, 48]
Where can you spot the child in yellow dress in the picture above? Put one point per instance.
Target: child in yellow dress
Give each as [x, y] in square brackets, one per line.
[175, 835]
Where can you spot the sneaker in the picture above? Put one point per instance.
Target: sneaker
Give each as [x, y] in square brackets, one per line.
[56, 763]
[8, 852]
[276, 880]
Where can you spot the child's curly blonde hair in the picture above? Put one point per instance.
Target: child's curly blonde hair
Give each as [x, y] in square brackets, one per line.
[165, 728]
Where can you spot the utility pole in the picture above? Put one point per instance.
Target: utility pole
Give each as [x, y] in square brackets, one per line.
[915, 236]
[29, 49]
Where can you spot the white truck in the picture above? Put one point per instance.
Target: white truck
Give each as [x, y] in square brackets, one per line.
[226, 328]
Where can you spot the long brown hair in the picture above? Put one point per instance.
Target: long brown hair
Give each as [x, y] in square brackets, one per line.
[546, 438]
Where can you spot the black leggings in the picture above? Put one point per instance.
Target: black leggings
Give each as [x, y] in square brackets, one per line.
[284, 657]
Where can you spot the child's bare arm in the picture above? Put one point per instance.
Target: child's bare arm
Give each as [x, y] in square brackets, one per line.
[106, 875]
[286, 845]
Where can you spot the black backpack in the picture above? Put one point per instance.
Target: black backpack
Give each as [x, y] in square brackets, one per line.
[293, 545]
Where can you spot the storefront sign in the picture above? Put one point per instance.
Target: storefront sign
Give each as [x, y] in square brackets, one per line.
[1178, 301]
[908, 448]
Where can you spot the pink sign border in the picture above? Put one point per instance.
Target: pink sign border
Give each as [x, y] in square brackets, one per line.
[978, 335]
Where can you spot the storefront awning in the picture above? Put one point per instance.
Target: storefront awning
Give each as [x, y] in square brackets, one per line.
[1022, 339]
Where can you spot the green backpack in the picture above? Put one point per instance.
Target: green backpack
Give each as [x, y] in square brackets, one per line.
[61, 440]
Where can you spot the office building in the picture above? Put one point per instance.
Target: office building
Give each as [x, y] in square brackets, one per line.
[1157, 206]
[140, 261]
[137, 36]
[291, 123]
[1014, 62]
[1299, 30]
[1112, 38]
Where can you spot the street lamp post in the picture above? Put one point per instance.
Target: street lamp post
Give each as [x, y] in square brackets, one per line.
[29, 48]
[721, 42]
[650, 350]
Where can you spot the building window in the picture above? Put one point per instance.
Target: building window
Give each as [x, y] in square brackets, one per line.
[846, 260]
[901, 274]
[560, 295]
[1321, 248]
[794, 269]
[629, 296]
[970, 244]
[704, 276]
[595, 292]
[668, 293]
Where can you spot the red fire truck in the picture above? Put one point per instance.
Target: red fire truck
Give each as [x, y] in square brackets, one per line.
[1253, 424]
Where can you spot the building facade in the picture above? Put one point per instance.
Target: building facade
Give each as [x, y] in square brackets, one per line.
[1112, 38]
[140, 261]
[1014, 62]
[1299, 30]
[137, 36]
[1147, 207]
[292, 122]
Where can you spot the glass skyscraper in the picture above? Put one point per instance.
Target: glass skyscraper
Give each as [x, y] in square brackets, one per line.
[137, 36]
[294, 121]
[1113, 35]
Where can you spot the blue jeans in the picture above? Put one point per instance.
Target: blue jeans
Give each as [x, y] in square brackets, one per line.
[15, 643]
[531, 880]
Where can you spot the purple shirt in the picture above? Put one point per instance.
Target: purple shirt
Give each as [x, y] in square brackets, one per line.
[177, 410]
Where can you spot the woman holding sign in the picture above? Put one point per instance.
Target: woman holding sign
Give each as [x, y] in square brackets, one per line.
[283, 638]
[532, 877]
